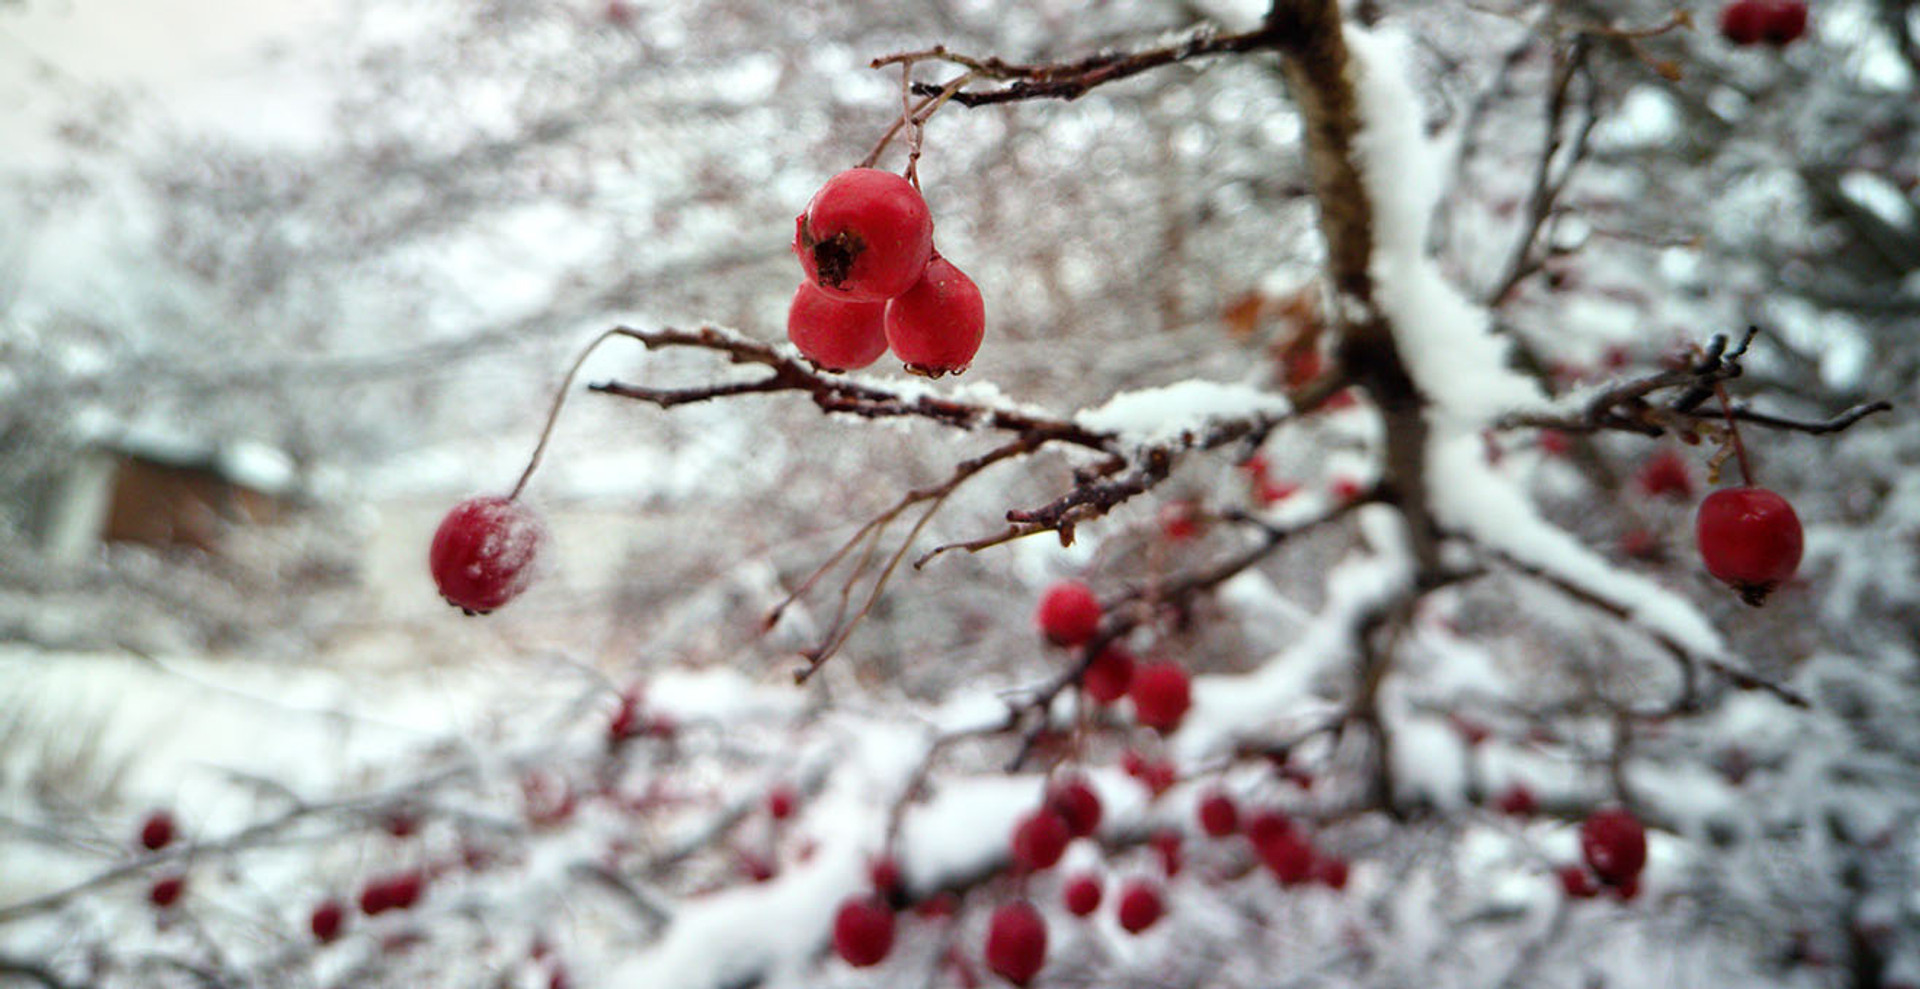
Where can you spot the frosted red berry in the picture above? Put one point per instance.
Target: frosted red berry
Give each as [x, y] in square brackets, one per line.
[866, 235]
[1109, 675]
[1016, 942]
[1219, 817]
[1161, 695]
[1069, 614]
[166, 891]
[1743, 22]
[1614, 844]
[157, 831]
[1077, 805]
[1039, 840]
[1082, 894]
[935, 327]
[327, 920]
[483, 553]
[1140, 906]
[1749, 538]
[863, 932]
[836, 334]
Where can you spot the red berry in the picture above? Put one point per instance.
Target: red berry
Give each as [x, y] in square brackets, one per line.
[1743, 22]
[1069, 614]
[1614, 844]
[863, 932]
[1331, 871]
[482, 555]
[1665, 473]
[1082, 895]
[1577, 882]
[1218, 815]
[866, 236]
[327, 920]
[157, 832]
[1017, 942]
[935, 327]
[780, 802]
[836, 334]
[1268, 826]
[1785, 22]
[1179, 521]
[1040, 840]
[1161, 695]
[1750, 538]
[1627, 889]
[166, 891]
[1077, 805]
[1344, 489]
[1166, 844]
[1517, 800]
[392, 893]
[1289, 858]
[1109, 675]
[1140, 905]
[884, 873]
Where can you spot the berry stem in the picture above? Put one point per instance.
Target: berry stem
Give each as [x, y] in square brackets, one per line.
[553, 412]
[1733, 432]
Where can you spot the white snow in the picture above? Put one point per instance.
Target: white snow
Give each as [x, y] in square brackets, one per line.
[1162, 415]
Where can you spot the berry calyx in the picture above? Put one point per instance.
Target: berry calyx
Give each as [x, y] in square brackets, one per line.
[1161, 695]
[935, 326]
[1082, 895]
[1109, 675]
[1750, 539]
[327, 921]
[157, 832]
[863, 932]
[1614, 844]
[836, 334]
[1140, 906]
[482, 555]
[166, 891]
[1077, 805]
[1040, 840]
[1016, 942]
[866, 235]
[1069, 614]
[1219, 817]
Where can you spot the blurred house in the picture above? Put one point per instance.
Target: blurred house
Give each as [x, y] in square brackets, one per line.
[163, 492]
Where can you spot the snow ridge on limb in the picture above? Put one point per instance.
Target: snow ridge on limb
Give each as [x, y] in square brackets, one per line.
[1461, 367]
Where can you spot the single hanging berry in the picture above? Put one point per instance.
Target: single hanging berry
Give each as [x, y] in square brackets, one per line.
[157, 832]
[866, 236]
[935, 327]
[482, 555]
[1140, 906]
[1069, 614]
[1749, 538]
[1017, 942]
[1614, 843]
[1082, 894]
[836, 334]
[863, 932]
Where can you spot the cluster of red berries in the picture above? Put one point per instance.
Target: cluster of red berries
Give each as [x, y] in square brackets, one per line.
[875, 282]
[483, 553]
[1069, 616]
[1613, 846]
[1776, 22]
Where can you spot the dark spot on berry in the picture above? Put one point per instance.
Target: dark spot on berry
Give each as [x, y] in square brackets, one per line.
[833, 258]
